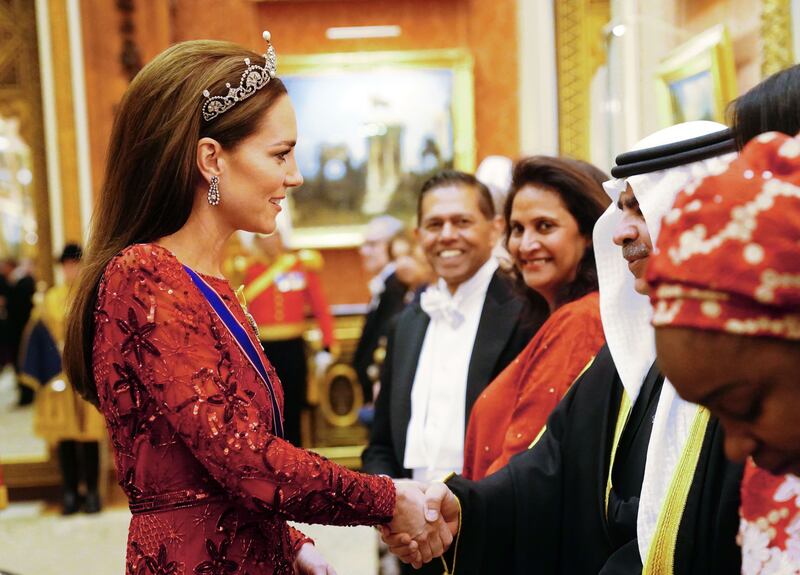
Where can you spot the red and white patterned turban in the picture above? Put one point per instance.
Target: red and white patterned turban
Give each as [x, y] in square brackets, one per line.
[729, 250]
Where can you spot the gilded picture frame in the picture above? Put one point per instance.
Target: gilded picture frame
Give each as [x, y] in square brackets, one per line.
[697, 80]
[372, 126]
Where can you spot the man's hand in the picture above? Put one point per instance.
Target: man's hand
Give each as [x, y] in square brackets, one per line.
[424, 524]
[309, 561]
[438, 496]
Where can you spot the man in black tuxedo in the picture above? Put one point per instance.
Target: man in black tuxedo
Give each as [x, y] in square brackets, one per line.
[447, 347]
[388, 294]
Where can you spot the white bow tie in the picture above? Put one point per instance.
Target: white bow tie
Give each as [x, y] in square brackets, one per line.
[440, 306]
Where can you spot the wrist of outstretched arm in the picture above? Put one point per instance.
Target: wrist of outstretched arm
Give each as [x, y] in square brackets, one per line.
[450, 556]
[401, 497]
[390, 501]
[298, 540]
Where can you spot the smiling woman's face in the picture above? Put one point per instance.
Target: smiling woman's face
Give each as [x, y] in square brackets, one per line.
[259, 170]
[751, 384]
[544, 240]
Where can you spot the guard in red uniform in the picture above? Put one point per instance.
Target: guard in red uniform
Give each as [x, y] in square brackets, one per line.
[280, 287]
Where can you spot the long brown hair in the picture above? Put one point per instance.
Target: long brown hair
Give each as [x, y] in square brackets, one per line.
[579, 185]
[151, 173]
[770, 105]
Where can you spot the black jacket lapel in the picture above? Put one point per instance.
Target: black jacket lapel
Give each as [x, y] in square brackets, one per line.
[404, 366]
[499, 319]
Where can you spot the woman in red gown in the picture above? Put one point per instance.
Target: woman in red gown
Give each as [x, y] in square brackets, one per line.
[550, 213]
[202, 146]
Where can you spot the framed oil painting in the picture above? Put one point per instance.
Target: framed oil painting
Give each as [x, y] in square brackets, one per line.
[18, 223]
[371, 128]
[698, 79]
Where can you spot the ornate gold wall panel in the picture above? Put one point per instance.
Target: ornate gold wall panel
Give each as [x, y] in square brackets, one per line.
[776, 36]
[65, 116]
[106, 80]
[20, 96]
[579, 51]
[573, 70]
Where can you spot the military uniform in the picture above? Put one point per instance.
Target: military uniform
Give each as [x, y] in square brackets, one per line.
[278, 295]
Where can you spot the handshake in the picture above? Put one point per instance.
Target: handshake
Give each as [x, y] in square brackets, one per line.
[426, 519]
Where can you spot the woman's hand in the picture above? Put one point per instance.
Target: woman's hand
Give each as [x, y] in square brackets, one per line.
[309, 561]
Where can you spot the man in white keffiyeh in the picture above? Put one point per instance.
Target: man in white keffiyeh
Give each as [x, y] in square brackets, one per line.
[632, 225]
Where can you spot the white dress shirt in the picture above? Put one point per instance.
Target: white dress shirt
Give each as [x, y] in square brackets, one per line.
[435, 435]
[377, 285]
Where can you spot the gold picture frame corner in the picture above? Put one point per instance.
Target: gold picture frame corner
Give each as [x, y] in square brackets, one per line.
[712, 51]
[458, 60]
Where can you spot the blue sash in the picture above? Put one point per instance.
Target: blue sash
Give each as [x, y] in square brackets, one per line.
[244, 342]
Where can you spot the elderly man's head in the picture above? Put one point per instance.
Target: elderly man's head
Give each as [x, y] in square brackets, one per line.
[632, 235]
[375, 249]
[645, 182]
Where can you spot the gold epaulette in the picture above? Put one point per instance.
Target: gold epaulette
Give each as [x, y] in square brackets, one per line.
[311, 259]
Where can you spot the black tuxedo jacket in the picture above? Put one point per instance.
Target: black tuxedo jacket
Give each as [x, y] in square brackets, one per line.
[506, 325]
[377, 324]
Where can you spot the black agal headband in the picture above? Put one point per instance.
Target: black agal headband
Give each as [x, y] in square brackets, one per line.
[674, 154]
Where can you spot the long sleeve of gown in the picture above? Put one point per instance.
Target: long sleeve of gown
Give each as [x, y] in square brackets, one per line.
[157, 340]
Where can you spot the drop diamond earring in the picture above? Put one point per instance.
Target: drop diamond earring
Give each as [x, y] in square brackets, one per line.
[213, 191]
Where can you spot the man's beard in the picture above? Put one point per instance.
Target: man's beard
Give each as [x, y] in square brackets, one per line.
[635, 251]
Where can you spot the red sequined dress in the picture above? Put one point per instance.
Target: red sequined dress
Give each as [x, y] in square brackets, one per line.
[210, 487]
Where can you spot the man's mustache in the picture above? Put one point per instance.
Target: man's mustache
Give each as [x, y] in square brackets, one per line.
[635, 251]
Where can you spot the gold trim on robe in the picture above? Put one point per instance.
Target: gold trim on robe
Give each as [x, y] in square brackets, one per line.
[661, 555]
[625, 408]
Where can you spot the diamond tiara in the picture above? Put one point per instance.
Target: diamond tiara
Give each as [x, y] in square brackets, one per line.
[253, 79]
